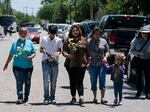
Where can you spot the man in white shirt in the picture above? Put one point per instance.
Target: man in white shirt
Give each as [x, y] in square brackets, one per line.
[51, 47]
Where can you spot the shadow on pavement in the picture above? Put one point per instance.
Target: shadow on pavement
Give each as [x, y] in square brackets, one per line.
[65, 87]
[37, 104]
[8, 102]
[66, 104]
[68, 87]
[134, 98]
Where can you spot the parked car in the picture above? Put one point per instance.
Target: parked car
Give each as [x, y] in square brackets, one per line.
[25, 24]
[33, 34]
[2, 32]
[131, 66]
[66, 32]
[61, 29]
[89, 25]
[119, 30]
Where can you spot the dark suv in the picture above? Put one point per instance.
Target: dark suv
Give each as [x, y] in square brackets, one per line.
[119, 30]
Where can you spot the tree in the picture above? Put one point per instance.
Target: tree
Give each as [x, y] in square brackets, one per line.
[46, 1]
[8, 7]
[60, 13]
[2, 8]
[46, 12]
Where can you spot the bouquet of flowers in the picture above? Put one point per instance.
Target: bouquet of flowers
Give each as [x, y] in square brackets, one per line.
[72, 46]
[120, 58]
[51, 58]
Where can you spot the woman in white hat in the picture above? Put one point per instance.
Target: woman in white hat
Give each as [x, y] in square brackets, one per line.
[140, 48]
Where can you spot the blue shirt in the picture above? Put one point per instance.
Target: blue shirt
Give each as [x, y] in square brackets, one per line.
[20, 50]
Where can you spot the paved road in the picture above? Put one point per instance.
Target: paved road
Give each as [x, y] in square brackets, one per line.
[8, 91]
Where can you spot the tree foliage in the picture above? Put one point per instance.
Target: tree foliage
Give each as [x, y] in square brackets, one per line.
[79, 10]
[2, 8]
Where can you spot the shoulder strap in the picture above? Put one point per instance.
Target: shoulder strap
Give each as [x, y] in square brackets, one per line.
[143, 45]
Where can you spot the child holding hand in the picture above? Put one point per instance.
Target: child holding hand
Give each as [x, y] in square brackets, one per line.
[117, 70]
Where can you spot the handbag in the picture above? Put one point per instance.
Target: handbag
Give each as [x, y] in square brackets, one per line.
[135, 59]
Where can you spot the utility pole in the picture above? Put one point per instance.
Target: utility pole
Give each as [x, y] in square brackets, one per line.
[26, 8]
[32, 11]
[70, 12]
[91, 9]
[8, 7]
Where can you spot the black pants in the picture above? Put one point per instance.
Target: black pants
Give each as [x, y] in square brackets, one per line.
[76, 76]
[143, 72]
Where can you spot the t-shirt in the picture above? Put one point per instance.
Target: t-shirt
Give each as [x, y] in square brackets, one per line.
[20, 50]
[97, 51]
[50, 46]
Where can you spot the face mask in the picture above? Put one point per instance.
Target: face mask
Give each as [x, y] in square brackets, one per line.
[22, 38]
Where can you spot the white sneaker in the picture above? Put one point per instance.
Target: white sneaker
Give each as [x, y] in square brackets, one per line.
[120, 103]
[53, 101]
[45, 102]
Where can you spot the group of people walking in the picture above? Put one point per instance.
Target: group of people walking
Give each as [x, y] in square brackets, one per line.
[80, 53]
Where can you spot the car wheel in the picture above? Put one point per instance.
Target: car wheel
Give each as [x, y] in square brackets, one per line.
[130, 72]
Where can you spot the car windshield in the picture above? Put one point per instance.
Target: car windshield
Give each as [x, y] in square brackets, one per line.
[126, 22]
[31, 30]
[61, 26]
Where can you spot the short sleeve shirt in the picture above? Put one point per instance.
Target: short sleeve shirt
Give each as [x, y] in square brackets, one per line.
[50, 46]
[20, 50]
[97, 50]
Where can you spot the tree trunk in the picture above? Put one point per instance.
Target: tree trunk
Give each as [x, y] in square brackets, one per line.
[91, 9]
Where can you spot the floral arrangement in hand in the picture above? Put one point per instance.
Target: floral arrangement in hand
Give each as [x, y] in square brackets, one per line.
[120, 58]
[72, 46]
[52, 58]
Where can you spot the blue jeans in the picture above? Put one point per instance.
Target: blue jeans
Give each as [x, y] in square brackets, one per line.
[118, 90]
[50, 73]
[95, 73]
[23, 76]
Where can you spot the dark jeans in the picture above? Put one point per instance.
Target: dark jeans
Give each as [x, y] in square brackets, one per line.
[76, 77]
[142, 66]
[118, 90]
[23, 76]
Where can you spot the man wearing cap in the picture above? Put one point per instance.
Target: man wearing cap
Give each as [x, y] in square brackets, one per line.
[140, 48]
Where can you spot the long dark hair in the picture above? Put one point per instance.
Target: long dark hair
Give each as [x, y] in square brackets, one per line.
[70, 32]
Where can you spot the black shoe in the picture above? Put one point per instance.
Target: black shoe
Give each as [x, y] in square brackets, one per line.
[25, 100]
[19, 101]
[104, 101]
[81, 102]
[95, 101]
[138, 95]
[147, 96]
[73, 101]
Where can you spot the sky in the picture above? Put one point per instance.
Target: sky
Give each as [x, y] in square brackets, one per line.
[26, 6]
